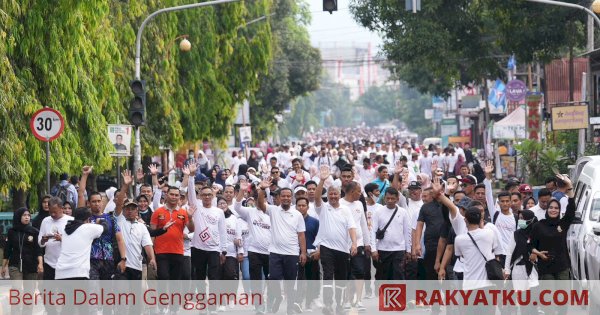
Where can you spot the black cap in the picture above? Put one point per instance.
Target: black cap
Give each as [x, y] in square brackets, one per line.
[414, 185]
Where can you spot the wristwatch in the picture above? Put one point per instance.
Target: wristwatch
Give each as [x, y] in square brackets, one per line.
[224, 253]
[124, 259]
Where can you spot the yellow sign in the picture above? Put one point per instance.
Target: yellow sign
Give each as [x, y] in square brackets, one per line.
[462, 140]
[570, 117]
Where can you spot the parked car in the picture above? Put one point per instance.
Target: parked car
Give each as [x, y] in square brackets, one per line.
[587, 198]
[592, 259]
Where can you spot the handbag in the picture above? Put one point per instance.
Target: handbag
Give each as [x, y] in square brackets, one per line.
[379, 234]
[492, 266]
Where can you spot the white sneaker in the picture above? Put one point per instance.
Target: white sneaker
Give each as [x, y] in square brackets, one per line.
[318, 304]
[221, 308]
[369, 295]
[360, 307]
[347, 306]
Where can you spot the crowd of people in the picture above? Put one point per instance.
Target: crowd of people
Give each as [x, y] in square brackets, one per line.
[344, 208]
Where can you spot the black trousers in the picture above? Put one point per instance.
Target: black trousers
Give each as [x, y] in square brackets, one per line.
[308, 290]
[169, 266]
[230, 273]
[391, 265]
[335, 267]
[206, 264]
[259, 268]
[429, 263]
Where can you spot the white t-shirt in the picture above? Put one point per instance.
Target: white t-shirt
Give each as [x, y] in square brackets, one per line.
[210, 233]
[475, 275]
[506, 226]
[540, 213]
[371, 209]
[334, 226]
[358, 215]
[425, 164]
[397, 234]
[306, 161]
[136, 236]
[230, 227]
[52, 247]
[74, 259]
[242, 232]
[311, 210]
[259, 224]
[286, 226]
[451, 162]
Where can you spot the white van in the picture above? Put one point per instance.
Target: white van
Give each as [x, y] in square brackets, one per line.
[587, 200]
[434, 141]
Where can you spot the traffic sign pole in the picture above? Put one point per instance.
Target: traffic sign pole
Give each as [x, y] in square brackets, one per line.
[47, 125]
[47, 165]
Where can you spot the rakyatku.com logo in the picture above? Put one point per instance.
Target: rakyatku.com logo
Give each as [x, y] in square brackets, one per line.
[392, 297]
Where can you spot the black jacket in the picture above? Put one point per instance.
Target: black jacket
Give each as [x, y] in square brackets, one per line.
[22, 246]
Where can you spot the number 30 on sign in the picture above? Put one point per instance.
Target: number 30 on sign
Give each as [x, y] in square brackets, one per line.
[47, 124]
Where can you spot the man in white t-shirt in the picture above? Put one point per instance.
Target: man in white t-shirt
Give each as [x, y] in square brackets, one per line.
[474, 258]
[74, 260]
[298, 176]
[337, 241]
[506, 223]
[544, 197]
[288, 244]
[50, 237]
[258, 242]
[353, 192]
[390, 238]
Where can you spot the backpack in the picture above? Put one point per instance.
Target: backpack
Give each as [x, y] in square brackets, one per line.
[62, 192]
[514, 214]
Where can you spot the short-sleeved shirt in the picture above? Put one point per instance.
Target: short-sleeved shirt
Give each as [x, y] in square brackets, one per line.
[172, 241]
[431, 214]
[285, 226]
[136, 237]
[102, 247]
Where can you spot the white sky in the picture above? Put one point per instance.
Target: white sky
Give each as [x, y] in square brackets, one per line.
[338, 27]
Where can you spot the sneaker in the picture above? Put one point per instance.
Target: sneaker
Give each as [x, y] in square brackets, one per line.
[276, 304]
[360, 307]
[347, 306]
[221, 309]
[308, 308]
[369, 295]
[297, 308]
[327, 310]
[317, 303]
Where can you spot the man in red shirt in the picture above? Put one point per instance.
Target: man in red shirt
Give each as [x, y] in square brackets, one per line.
[169, 246]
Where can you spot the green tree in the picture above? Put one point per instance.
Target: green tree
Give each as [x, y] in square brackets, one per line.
[77, 57]
[294, 70]
[463, 40]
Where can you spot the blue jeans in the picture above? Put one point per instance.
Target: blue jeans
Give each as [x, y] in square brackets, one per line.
[245, 268]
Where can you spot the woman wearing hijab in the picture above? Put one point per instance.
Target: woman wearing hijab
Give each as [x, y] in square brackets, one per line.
[68, 208]
[110, 204]
[528, 203]
[43, 212]
[203, 162]
[221, 177]
[22, 256]
[549, 238]
[253, 160]
[424, 180]
[517, 264]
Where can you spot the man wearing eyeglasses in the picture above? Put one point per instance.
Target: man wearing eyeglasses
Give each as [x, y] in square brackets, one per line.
[276, 178]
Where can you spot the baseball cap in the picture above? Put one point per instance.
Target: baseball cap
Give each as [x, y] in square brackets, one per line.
[129, 202]
[251, 169]
[464, 202]
[525, 188]
[414, 185]
[200, 177]
[469, 179]
[300, 188]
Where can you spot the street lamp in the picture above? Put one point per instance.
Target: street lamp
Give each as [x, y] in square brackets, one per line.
[137, 149]
[184, 45]
[596, 6]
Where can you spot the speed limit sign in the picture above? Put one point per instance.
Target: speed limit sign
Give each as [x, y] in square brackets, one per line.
[47, 124]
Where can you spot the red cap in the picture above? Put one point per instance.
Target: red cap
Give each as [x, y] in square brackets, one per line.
[525, 188]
